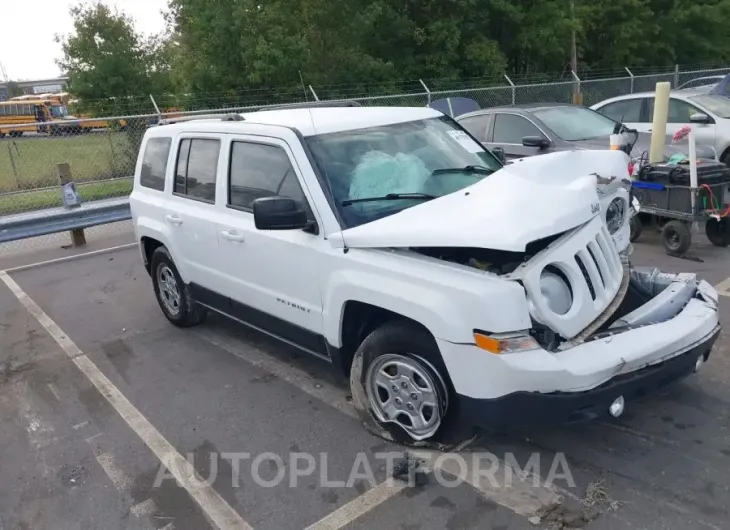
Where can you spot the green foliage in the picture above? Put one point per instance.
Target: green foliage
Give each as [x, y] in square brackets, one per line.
[108, 62]
[241, 52]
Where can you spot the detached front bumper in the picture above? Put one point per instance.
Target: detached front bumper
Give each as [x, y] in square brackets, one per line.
[650, 347]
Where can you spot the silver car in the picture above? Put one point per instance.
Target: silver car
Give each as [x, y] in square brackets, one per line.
[707, 114]
[702, 84]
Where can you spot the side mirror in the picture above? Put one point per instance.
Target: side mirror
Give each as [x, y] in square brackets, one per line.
[278, 213]
[535, 141]
[700, 117]
[498, 153]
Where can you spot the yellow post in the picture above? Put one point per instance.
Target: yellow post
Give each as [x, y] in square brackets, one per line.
[659, 123]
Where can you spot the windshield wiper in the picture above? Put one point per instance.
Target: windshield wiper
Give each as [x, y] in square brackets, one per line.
[391, 197]
[465, 169]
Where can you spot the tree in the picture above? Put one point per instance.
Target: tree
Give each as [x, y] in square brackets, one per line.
[109, 65]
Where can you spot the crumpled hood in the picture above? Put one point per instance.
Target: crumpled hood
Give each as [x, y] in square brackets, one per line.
[539, 197]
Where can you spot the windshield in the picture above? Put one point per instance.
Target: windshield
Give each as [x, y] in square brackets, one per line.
[403, 158]
[59, 111]
[575, 123]
[718, 105]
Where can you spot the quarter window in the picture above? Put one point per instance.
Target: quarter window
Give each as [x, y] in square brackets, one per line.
[260, 170]
[197, 166]
[154, 163]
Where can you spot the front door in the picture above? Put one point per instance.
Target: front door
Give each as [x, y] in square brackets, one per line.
[273, 274]
[509, 130]
[678, 117]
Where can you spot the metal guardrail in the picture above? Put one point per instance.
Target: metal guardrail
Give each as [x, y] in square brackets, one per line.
[51, 221]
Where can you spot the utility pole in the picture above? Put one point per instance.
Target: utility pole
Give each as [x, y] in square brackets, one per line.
[573, 45]
[577, 99]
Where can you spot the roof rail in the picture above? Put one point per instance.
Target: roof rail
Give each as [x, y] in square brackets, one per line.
[314, 104]
[221, 117]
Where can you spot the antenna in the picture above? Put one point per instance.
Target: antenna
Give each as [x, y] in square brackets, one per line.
[304, 89]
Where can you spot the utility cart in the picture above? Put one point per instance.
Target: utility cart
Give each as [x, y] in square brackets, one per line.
[665, 192]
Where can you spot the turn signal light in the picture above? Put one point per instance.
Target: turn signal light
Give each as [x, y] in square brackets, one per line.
[505, 343]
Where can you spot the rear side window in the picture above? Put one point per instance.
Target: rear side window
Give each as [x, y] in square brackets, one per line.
[477, 126]
[259, 170]
[624, 111]
[154, 163]
[196, 169]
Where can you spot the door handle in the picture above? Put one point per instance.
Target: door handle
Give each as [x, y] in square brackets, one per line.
[233, 236]
[173, 219]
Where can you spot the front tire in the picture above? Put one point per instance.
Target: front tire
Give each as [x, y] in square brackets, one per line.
[405, 383]
[172, 293]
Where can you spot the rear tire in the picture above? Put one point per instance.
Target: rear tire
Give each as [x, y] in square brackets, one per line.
[676, 237]
[718, 232]
[173, 294]
[406, 388]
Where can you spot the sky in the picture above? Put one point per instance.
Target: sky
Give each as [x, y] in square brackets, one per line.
[27, 47]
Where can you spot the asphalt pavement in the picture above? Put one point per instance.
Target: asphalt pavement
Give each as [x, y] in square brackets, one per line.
[97, 390]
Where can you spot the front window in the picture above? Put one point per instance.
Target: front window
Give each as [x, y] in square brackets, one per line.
[718, 105]
[369, 169]
[575, 123]
[59, 111]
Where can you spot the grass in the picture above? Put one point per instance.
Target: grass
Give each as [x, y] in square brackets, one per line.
[30, 162]
[40, 199]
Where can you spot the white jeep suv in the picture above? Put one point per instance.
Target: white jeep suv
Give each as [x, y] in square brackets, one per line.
[390, 242]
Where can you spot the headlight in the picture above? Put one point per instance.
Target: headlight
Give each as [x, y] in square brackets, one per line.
[556, 292]
[615, 215]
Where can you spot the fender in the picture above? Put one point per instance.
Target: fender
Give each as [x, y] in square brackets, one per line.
[449, 310]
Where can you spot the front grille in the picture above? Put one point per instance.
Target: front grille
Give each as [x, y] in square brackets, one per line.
[592, 266]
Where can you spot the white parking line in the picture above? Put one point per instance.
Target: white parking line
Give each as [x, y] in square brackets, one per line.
[144, 508]
[54, 391]
[218, 511]
[723, 288]
[70, 258]
[359, 505]
[118, 477]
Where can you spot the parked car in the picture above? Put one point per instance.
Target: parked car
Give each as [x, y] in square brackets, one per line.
[707, 114]
[391, 243]
[540, 128]
[704, 84]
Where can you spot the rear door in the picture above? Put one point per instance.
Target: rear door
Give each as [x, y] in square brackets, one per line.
[627, 111]
[191, 211]
[477, 125]
[507, 132]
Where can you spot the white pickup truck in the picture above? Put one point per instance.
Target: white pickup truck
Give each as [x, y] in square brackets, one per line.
[390, 240]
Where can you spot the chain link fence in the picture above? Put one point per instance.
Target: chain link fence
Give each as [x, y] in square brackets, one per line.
[102, 152]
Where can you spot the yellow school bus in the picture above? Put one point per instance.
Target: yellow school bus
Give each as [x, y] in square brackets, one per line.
[21, 116]
[62, 121]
